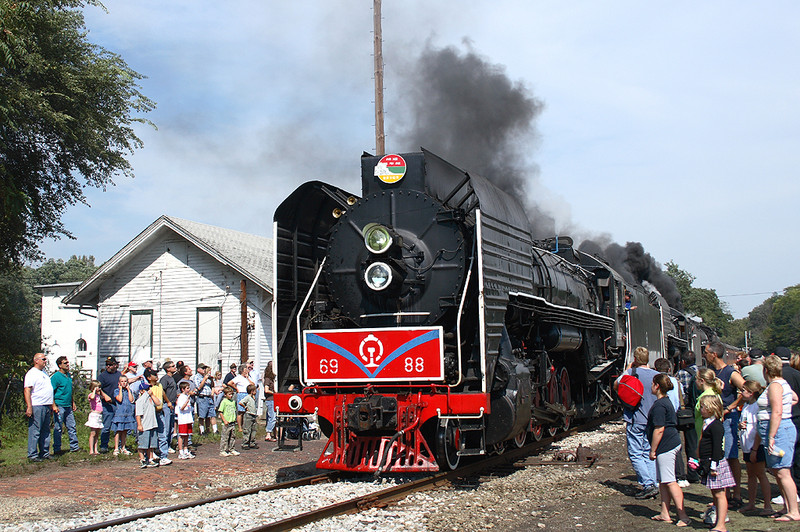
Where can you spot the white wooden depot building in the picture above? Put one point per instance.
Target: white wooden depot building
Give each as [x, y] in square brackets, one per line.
[173, 292]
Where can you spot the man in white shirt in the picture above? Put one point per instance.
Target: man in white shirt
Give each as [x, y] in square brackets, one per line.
[39, 408]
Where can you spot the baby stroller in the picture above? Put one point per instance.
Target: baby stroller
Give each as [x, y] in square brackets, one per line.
[307, 429]
[296, 427]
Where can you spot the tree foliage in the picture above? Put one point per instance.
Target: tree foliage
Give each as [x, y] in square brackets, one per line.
[701, 302]
[20, 309]
[783, 324]
[67, 111]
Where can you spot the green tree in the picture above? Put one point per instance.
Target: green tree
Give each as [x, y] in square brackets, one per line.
[55, 271]
[783, 326]
[67, 111]
[758, 322]
[20, 335]
[702, 302]
[735, 332]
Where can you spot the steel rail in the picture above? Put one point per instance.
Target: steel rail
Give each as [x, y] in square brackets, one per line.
[395, 493]
[305, 481]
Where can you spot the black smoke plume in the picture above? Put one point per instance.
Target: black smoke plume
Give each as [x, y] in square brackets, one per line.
[636, 266]
[466, 109]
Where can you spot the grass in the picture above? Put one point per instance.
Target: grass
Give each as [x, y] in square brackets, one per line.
[14, 446]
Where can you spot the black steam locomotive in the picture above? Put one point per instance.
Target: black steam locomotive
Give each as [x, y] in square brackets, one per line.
[421, 322]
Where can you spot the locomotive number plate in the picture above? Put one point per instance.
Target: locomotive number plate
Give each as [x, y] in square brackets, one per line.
[359, 355]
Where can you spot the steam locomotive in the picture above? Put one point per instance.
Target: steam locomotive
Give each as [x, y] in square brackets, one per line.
[421, 322]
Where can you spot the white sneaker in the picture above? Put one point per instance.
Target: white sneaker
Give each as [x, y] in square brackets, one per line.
[683, 483]
[164, 461]
[116, 452]
[224, 453]
[235, 452]
[171, 450]
[183, 456]
[126, 452]
[779, 499]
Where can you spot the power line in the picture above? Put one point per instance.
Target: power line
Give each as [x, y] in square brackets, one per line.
[754, 294]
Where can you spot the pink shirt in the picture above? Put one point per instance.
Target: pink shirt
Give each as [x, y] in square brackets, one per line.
[96, 404]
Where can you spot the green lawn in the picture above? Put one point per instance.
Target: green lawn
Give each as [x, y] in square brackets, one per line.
[14, 446]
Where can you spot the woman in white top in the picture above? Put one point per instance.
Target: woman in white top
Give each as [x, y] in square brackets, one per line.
[778, 433]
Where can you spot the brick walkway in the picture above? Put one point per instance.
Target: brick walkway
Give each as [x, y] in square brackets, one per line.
[85, 483]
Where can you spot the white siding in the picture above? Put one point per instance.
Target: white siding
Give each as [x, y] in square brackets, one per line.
[173, 278]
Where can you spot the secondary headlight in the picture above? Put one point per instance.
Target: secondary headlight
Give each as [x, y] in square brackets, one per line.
[378, 276]
[377, 238]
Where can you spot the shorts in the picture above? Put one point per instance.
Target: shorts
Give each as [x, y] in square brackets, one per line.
[761, 455]
[184, 429]
[665, 466]
[239, 397]
[148, 439]
[205, 407]
[730, 425]
[785, 440]
[95, 420]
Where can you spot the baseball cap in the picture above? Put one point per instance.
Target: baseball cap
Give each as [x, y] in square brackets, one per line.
[783, 352]
[132, 364]
[111, 360]
[201, 366]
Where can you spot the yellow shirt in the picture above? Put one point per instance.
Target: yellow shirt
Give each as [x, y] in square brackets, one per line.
[698, 419]
[158, 391]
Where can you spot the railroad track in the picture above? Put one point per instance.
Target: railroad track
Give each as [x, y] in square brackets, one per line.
[359, 503]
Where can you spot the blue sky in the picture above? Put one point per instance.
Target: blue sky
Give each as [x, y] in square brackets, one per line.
[670, 124]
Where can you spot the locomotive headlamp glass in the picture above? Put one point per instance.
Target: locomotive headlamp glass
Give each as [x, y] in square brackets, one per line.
[378, 276]
[377, 238]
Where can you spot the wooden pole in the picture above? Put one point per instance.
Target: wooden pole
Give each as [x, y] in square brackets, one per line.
[243, 332]
[380, 137]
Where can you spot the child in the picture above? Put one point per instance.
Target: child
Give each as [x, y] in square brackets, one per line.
[95, 421]
[753, 450]
[227, 413]
[714, 467]
[146, 421]
[124, 418]
[217, 390]
[249, 419]
[185, 421]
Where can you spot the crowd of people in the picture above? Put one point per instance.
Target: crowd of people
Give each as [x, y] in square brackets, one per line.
[745, 409]
[154, 410]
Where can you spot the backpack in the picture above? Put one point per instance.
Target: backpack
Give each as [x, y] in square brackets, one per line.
[690, 400]
[630, 391]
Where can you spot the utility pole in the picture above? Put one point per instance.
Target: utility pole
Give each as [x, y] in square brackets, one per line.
[380, 137]
[243, 331]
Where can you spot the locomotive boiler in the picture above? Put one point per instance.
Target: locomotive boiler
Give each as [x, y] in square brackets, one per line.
[422, 323]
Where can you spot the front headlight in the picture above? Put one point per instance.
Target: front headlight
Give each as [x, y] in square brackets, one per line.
[377, 238]
[378, 276]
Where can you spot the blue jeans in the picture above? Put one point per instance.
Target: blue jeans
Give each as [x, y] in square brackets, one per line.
[39, 432]
[639, 453]
[165, 428]
[730, 426]
[66, 417]
[269, 412]
[108, 418]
